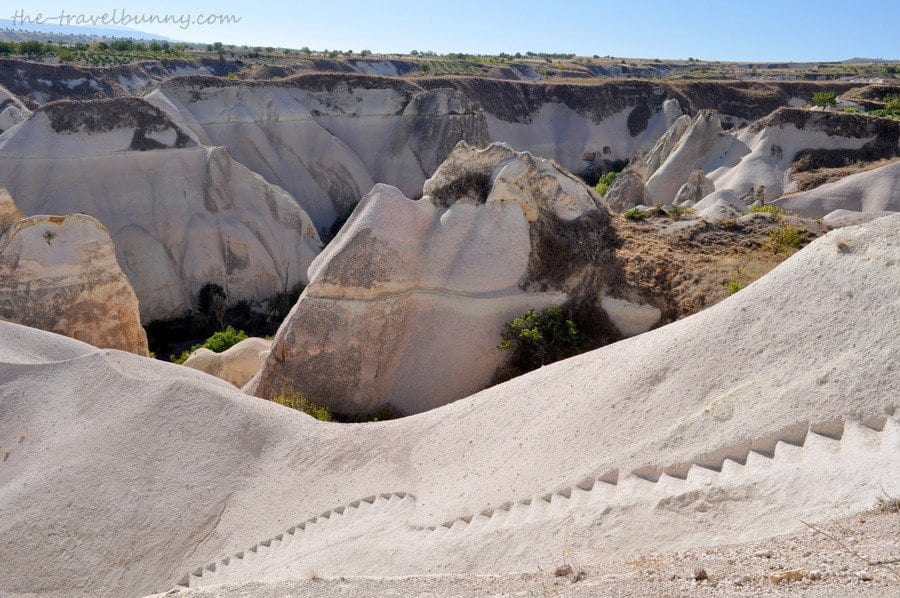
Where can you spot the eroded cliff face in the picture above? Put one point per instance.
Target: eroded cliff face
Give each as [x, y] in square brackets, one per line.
[60, 274]
[181, 214]
[405, 307]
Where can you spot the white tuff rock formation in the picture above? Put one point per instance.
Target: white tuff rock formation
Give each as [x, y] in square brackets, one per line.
[59, 273]
[180, 214]
[410, 288]
[736, 424]
[236, 364]
[876, 190]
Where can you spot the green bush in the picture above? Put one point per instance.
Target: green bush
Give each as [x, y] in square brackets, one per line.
[733, 285]
[218, 342]
[767, 209]
[786, 236]
[606, 182]
[538, 338]
[301, 403]
[7, 48]
[824, 98]
[33, 48]
[635, 214]
[679, 212]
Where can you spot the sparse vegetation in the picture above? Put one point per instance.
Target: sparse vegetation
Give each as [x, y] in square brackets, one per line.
[635, 214]
[891, 108]
[218, 342]
[786, 236]
[733, 285]
[680, 212]
[281, 303]
[824, 99]
[538, 338]
[301, 403]
[606, 182]
[767, 209]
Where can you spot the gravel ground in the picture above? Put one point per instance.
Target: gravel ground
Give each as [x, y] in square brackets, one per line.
[857, 556]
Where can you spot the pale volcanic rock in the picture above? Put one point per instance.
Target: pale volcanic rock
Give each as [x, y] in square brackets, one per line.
[689, 154]
[670, 441]
[411, 286]
[876, 190]
[326, 139]
[59, 273]
[180, 214]
[235, 365]
[696, 188]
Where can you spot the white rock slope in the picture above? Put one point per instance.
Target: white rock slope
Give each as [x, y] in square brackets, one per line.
[124, 476]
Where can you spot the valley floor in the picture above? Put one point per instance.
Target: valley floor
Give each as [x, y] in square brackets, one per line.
[856, 556]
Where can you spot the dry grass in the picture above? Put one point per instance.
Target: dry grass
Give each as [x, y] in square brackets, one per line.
[811, 179]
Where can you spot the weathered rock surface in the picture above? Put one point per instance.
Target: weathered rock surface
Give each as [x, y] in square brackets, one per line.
[676, 438]
[180, 214]
[841, 218]
[326, 138]
[627, 191]
[236, 364]
[688, 154]
[59, 273]
[876, 190]
[411, 287]
[696, 188]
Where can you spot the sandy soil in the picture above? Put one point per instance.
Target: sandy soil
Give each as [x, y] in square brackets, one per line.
[856, 556]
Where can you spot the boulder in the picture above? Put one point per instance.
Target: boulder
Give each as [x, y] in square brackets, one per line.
[626, 192]
[696, 188]
[59, 273]
[236, 364]
[411, 288]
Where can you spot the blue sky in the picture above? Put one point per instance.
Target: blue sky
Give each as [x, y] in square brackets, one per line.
[726, 29]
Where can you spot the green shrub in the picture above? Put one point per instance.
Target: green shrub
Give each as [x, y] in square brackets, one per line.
[824, 98]
[606, 182]
[33, 48]
[733, 285]
[635, 214]
[7, 48]
[218, 342]
[538, 338]
[224, 339]
[301, 403]
[767, 209]
[679, 212]
[786, 236]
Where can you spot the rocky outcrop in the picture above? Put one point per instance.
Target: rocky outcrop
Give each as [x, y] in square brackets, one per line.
[327, 138]
[688, 154]
[696, 188]
[719, 206]
[180, 214]
[756, 162]
[627, 191]
[870, 191]
[409, 288]
[59, 273]
[12, 110]
[236, 365]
